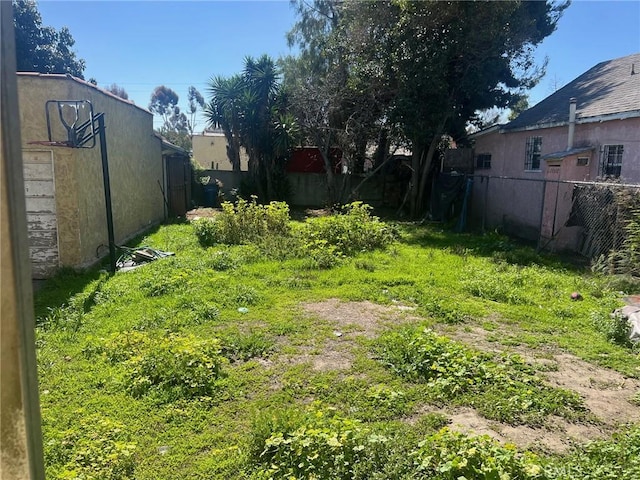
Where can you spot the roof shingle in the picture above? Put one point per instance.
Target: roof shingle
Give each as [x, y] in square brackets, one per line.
[608, 88]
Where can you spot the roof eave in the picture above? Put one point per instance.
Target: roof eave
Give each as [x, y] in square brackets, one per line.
[579, 121]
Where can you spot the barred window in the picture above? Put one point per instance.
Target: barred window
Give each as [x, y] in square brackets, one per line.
[612, 160]
[532, 158]
[483, 161]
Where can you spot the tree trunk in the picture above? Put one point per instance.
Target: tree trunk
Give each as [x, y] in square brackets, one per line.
[325, 151]
[233, 152]
[426, 168]
[416, 164]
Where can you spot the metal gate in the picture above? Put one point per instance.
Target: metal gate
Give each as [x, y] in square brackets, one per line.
[178, 184]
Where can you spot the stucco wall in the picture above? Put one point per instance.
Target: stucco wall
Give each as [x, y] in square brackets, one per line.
[135, 166]
[210, 152]
[517, 204]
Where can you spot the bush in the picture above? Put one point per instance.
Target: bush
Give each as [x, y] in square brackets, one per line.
[353, 231]
[243, 222]
[449, 455]
[614, 327]
[95, 449]
[319, 445]
[175, 367]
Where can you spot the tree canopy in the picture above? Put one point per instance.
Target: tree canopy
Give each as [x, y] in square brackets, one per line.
[118, 91]
[176, 126]
[40, 48]
[251, 109]
[423, 68]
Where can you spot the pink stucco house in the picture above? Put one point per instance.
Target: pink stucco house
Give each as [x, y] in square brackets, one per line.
[588, 130]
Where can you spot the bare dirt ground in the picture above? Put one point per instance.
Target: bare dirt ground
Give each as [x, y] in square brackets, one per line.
[605, 392]
[202, 212]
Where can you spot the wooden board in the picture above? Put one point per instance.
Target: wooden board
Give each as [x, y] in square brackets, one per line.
[42, 223]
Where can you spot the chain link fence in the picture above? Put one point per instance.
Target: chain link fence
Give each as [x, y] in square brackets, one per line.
[598, 220]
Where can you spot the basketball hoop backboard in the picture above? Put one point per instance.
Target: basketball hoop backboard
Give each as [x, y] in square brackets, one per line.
[70, 123]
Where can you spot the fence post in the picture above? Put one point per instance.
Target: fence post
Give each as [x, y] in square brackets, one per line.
[544, 194]
[20, 431]
[484, 204]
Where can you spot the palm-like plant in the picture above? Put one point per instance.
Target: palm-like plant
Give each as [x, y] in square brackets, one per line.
[225, 111]
[250, 111]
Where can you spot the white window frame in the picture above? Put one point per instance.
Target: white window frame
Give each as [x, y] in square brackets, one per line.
[533, 153]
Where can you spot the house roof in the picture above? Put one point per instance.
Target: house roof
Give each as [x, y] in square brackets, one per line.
[169, 148]
[611, 89]
[62, 76]
[567, 153]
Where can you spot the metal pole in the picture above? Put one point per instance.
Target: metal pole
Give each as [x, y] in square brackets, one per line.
[484, 209]
[107, 192]
[544, 194]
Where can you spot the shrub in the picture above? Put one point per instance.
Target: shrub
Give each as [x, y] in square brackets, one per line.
[319, 254]
[243, 222]
[614, 327]
[352, 231]
[222, 261]
[175, 367]
[319, 445]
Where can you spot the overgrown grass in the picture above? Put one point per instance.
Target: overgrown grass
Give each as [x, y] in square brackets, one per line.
[199, 365]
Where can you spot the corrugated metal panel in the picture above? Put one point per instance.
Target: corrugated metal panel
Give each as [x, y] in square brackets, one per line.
[41, 212]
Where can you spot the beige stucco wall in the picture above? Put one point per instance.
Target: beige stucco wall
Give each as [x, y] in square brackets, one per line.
[210, 152]
[135, 167]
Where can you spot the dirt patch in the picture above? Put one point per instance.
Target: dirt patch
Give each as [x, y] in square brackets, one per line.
[361, 318]
[332, 356]
[605, 392]
[348, 320]
[202, 212]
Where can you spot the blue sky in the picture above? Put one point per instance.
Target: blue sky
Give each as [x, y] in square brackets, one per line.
[140, 45]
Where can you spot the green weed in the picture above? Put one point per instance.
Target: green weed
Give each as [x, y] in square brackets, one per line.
[504, 388]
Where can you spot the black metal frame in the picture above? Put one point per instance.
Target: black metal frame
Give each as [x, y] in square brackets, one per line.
[84, 136]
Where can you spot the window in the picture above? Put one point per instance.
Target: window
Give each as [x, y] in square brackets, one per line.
[483, 160]
[612, 160]
[582, 161]
[532, 159]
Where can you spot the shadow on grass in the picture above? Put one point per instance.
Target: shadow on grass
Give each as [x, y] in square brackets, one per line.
[498, 247]
[58, 290]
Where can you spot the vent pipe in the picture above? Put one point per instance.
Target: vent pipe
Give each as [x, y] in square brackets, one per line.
[572, 122]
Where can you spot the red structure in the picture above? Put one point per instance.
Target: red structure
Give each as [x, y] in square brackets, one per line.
[309, 160]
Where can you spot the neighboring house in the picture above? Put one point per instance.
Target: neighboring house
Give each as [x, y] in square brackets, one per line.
[588, 130]
[64, 186]
[210, 152]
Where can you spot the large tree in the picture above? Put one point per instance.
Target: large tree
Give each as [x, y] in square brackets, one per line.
[118, 91]
[176, 127]
[40, 48]
[334, 109]
[431, 65]
[252, 112]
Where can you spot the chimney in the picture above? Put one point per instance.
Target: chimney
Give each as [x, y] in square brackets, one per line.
[572, 122]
